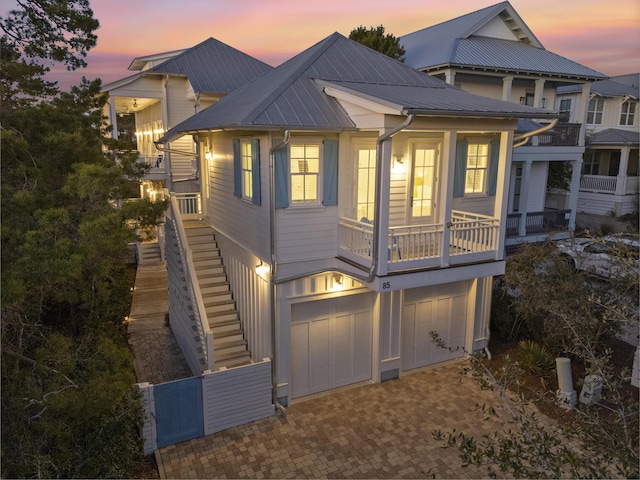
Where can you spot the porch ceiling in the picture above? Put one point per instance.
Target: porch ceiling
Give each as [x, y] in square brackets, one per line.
[133, 104]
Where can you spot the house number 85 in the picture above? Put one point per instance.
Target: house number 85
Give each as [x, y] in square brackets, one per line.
[386, 285]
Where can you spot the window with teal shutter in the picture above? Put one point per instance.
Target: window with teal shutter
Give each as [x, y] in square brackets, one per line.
[330, 173]
[246, 169]
[460, 172]
[281, 174]
[255, 171]
[494, 159]
[237, 168]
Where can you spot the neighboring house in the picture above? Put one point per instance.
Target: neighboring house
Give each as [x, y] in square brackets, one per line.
[169, 88]
[357, 205]
[493, 53]
[609, 182]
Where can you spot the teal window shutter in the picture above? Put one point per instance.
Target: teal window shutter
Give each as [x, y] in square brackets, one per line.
[330, 173]
[494, 158]
[255, 171]
[281, 174]
[237, 169]
[460, 172]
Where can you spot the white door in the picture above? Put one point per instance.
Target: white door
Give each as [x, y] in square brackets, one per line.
[330, 343]
[442, 309]
[424, 161]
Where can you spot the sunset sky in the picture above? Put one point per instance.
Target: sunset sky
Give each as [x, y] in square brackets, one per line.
[603, 35]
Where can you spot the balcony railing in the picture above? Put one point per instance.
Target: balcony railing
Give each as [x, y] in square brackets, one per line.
[538, 222]
[562, 135]
[609, 184]
[472, 237]
[156, 162]
[189, 204]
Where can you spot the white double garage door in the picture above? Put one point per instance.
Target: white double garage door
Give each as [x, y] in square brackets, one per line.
[331, 339]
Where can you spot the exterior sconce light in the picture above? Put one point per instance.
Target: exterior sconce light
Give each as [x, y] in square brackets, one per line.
[208, 155]
[398, 163]
[336, 281]
[262, 269]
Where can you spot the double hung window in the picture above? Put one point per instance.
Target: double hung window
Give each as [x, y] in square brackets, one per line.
[594, 111]
[628, 113]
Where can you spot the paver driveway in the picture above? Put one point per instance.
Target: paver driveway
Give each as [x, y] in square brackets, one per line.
[371, 431]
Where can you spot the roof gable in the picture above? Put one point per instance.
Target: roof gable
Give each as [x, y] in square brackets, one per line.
[494, 37]
[214, 67]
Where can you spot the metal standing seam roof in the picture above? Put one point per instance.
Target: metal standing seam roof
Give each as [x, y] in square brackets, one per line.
[454, 43]
[605, 88]
[615, 136]
[213, 66]
[292, 96]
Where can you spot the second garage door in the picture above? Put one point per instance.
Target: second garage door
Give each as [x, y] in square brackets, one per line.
[442, 309]
[330, 343]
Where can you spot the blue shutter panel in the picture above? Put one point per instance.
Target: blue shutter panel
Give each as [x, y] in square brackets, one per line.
[255, 171]
[281, 174]
[494, 158]
[237, 169]
[460, 172]
[330, 173]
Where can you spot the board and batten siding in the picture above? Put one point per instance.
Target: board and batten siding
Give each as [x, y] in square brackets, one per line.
[237, 396]
[251, 294]
[239, 220]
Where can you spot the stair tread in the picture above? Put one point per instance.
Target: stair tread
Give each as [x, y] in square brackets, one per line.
[230, 355]
[229, 333]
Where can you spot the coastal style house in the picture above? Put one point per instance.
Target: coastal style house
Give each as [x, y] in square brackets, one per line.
[493, 53]
[351, 208]
[168, 88]
[609, 181]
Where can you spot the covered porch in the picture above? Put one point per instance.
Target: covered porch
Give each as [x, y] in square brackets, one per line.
[468, 237]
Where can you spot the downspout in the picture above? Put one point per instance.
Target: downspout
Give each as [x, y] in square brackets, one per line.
[274, 268]
[521, 140]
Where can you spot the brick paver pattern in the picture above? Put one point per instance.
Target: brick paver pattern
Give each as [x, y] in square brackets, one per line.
[371, 431]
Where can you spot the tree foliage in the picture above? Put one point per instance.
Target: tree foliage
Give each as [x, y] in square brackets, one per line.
[68, 404]
[376, 39]
[573, 315]
[41, 33]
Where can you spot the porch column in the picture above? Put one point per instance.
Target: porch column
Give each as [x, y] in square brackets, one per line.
[524, 197]
[507, 83]
[113, 117]
[165, 127]
[574, 190]
[621, 181]
[501, 206]
[446, 192]
[539, 91]
[582, 111]
[450, 76]
[382, 212]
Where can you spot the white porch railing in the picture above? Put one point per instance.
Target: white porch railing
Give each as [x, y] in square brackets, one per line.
[473, 237]
[156, 162]
[189, 204]
[632, 186]
[598, 183]
[473, 234]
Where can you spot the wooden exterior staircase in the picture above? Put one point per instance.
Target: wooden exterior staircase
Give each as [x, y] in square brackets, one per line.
[229, 344]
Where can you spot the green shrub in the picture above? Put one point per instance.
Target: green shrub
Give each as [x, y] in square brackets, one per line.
[536, 357]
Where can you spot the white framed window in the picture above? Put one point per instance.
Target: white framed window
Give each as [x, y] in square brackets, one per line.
[591, 165]
[594, 111]
[247, 169]
[628, 113]
[365, 196]
[304, 166]
[477, 165]
[565, 109]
